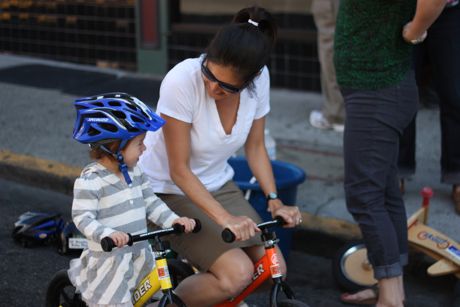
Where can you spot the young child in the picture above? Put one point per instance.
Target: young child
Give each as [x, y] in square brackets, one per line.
[112, 198]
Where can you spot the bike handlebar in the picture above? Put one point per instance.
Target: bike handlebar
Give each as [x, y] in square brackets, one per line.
[229, 237]
[107, 243]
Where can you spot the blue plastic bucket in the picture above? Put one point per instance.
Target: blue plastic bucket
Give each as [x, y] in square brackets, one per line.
[287, 178]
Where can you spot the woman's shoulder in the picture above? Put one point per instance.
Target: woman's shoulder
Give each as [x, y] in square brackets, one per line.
[183, 85]
[264, 76]
[186, 70]
[262, 81]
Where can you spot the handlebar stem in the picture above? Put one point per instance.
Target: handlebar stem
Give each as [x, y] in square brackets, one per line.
[270, 243]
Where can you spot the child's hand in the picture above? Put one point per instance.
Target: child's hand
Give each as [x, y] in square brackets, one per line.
[119, 238]
[189, 224]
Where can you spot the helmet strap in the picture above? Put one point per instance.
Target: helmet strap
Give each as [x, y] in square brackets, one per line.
[123, 168]
[121, 163]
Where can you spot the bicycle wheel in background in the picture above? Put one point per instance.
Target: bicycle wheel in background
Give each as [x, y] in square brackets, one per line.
[61, 292]
[351, 268]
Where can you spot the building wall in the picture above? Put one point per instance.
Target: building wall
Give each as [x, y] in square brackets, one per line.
[228, 7]
[86, 31]
[105, 33]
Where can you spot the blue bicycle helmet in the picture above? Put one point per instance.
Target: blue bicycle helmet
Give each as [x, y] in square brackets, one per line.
[113, 116]
[110, 117]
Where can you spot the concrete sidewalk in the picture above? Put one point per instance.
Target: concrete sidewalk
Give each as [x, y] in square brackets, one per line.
[36, 144]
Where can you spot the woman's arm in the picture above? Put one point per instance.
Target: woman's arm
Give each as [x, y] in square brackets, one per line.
[260, 166]
[257, 157]
[426, 13]
[177, 139]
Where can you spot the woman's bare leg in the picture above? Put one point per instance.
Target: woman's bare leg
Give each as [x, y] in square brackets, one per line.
[226, 278]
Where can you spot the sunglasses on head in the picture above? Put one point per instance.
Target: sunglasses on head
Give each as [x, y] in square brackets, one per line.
[223, 85]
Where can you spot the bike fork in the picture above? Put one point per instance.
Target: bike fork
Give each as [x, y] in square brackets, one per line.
[280, 285]
[169, 297]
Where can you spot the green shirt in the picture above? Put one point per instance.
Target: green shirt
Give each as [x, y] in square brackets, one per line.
[370, 52]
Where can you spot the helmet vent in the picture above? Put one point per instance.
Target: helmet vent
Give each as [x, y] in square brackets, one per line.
[119, 115]
[109, 127]
[114, 103]
[132, 107]
[136, 119]
[93, 132]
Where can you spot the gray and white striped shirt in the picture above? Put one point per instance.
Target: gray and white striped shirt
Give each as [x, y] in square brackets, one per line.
[104, 204]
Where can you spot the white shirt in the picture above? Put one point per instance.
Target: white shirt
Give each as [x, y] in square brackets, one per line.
[183, 96]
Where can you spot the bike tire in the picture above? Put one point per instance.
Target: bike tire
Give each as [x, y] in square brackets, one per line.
[351, 269]
[178, 271]
[61, 292]
[291, 303]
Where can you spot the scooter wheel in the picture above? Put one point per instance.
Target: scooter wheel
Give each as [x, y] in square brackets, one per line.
[351, 268]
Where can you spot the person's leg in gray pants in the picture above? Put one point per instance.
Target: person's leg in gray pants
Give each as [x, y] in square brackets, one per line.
[374, 123]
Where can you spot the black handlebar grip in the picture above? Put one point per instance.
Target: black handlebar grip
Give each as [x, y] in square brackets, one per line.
[130, 241]
[178, 228]
[280, 220]
[197, 226]
[107, 244]
[228, 236]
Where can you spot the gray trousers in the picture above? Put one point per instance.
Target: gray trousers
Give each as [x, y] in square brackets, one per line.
[325, 14]
[375, 120]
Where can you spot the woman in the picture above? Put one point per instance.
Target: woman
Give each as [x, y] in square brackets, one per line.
[213, 105]
[373, 64]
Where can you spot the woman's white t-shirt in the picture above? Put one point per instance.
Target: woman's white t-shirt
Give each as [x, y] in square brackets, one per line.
[183, 96]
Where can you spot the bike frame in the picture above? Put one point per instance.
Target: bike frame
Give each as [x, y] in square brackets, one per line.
[266, 267]
[159, 277]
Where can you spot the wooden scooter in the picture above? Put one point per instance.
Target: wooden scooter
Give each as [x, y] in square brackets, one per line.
[353, 271]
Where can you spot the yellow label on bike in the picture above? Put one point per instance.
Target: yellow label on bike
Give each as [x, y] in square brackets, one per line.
[163, 274]
[145, 289]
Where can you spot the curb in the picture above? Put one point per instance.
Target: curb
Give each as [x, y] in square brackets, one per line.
[38, 172]
[60, 178]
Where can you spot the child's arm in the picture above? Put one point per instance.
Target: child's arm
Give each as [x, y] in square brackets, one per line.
[157, 211]
[84, 210]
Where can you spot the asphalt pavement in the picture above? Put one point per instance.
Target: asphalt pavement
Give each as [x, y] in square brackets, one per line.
[36, 145]
[26, 272]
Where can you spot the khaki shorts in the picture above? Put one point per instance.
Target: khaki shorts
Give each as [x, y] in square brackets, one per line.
[202, 249]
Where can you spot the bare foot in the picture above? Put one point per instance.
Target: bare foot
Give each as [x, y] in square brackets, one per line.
[364, 297]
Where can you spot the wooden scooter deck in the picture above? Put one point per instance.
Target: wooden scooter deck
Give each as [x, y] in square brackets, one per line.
[438, 246]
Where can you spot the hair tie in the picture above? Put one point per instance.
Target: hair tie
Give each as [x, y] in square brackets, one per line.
[255, 24]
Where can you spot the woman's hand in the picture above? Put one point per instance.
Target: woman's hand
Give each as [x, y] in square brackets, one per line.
[242, 227]
[119, 238]
[290, 214]
[189, 224]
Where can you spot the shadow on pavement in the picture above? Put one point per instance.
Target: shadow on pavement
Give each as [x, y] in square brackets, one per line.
[80, 82]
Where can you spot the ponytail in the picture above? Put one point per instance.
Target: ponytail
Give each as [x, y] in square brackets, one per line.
[246, 43]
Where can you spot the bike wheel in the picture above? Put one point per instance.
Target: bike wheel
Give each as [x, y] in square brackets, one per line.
[351, 268]
[291, 303]
[61, 292]
[178, 271]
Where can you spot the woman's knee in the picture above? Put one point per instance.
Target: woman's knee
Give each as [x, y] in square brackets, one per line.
[234, 274]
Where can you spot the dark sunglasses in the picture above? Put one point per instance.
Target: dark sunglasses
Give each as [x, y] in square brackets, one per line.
[225, 86]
